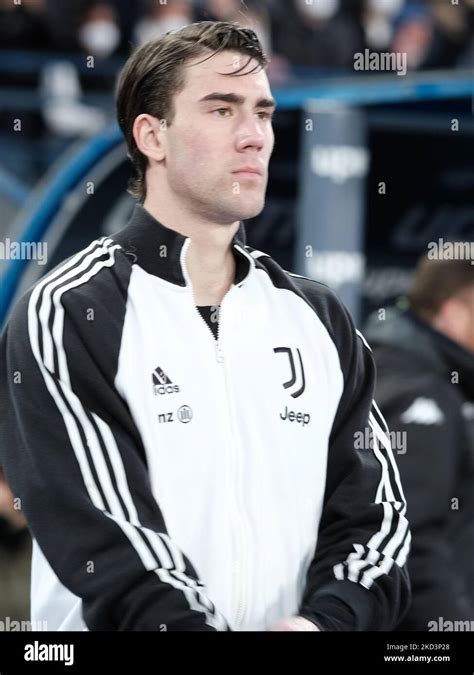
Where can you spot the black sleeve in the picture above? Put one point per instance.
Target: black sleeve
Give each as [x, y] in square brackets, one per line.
[357, 579]
[430, 470]
[72, 453]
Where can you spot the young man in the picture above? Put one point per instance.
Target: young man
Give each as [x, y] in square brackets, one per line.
[182, 473]
[425, 359]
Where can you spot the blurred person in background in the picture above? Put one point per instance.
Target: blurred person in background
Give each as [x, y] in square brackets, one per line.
[64, 111]
[425, 388]
[15, 558]
[99, 32]
[323, 33]
[434, 34]
[378, 19]
[93, 26]
[452, 33]
[160, 19]
[413, 34]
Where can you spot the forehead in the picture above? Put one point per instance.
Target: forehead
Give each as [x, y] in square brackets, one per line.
[215, 74]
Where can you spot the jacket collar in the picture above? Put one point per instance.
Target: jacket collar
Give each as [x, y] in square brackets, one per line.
[158, 249]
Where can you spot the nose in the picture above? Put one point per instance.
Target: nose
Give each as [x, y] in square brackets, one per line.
[250, 134]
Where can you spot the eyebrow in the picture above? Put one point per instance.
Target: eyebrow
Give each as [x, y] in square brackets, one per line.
[238, 100]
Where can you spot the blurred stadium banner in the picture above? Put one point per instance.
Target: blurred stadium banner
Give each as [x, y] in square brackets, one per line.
[333, 169]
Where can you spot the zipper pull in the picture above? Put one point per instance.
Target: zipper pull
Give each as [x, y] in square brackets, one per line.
[219, 353]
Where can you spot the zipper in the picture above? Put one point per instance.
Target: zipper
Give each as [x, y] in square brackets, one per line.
[238, 570]
[217, 346]
[238, 566]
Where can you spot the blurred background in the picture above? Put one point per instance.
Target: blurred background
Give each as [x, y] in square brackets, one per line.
[373, 157]
[369, 165]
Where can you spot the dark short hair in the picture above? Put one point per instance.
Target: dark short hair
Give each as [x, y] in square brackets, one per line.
[155, 73]
[436, 281]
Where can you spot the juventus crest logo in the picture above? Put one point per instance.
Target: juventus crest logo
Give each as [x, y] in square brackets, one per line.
[297, 379]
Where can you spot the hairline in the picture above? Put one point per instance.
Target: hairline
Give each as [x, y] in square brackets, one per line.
[192, 61]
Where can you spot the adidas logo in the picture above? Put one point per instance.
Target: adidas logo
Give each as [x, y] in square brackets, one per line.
[423, 411]
[162, 383]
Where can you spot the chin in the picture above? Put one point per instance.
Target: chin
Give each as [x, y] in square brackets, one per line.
[228, 212]
[251, 209]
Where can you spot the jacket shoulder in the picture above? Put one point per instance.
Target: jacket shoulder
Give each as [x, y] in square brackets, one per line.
[321, 298]
[98, 273]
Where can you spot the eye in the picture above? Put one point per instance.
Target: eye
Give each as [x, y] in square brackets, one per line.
[222, 112]
[264, 115]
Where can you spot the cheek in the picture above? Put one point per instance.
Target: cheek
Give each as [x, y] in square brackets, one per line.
[193, 152]
[271, 140]
[271, 143]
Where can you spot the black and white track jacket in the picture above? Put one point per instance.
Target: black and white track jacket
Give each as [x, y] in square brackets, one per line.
[174, 481]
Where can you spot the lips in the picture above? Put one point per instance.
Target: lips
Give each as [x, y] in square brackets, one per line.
[249, 169]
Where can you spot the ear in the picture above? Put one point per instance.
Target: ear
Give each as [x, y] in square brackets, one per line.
[149, 134]
[453, 318]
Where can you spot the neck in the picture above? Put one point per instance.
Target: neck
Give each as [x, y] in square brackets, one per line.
[209, 259]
